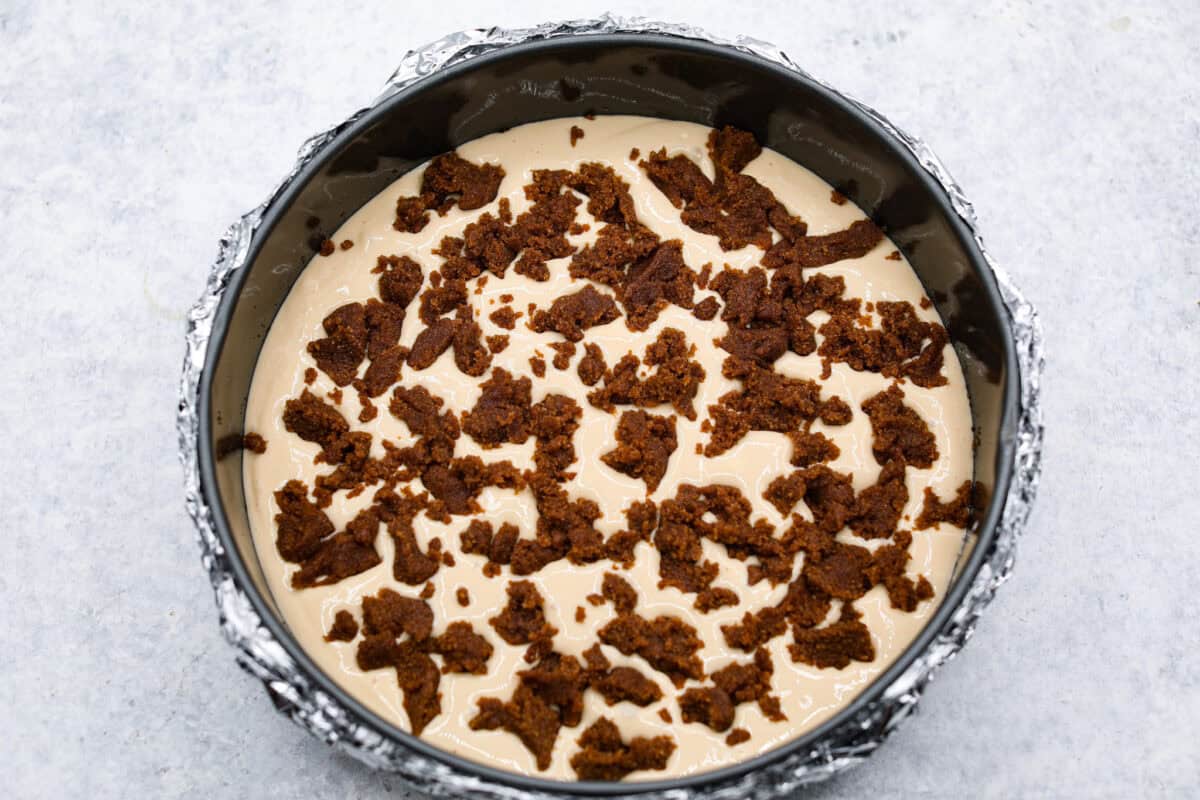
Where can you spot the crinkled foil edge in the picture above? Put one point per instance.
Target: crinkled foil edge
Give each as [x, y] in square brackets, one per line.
[295, 695]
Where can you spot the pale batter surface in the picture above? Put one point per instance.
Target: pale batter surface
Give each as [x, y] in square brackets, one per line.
[808, 695]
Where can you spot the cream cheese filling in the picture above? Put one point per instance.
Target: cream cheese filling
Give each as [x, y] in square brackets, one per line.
[808, 695]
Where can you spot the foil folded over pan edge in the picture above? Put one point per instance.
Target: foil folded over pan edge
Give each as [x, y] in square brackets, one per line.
[297, 696]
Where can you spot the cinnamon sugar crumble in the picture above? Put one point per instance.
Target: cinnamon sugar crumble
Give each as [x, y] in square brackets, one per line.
[344, 628]
[775, 309]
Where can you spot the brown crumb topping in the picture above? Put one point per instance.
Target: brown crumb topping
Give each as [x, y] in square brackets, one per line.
[604, 756]
[227, 445]
[462, 649]
[345, 344]
[400, 279]
[451, 178]
[563, 353]
[523, 620]
[305, 536]
[899, 432]
[527, 716]
[902, 347]
[344, 628]
[706, 309]
[448, 180]
[645, 443]
[737, 736]
[766, 311]
[668, 644]
[835, 645]
[591, 367]
[957, 512]
[571, 314]
[504, 317]
[502, 412]
[675, 380]
[767, 401]
[735, 208]
[733, 685]
[497, 547]
[537, 365]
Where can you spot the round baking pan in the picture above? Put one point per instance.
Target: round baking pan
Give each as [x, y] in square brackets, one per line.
[549, 76]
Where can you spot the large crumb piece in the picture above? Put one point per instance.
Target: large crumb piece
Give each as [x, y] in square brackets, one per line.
[675, 380]
[572, 314]
[605, 757]
[645, 443]
[835, 645]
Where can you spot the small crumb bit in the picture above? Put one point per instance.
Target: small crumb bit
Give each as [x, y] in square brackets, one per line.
[563, 352]
[327, 247]
[635, 154]
[706, 309]
[893, 256]
[925, 303]
[346, 244]
[837, 198]
[595, 599]
[576, 134]
[462, 596]
[591, 367]
[427, 590]
[737, 736]
[344, 628]
[580, 614]
[504, 317]
[310, 375]
[538, 365]
[664, 715]
[497, 344]
[232, 443]
[368, 411]
[506, 298]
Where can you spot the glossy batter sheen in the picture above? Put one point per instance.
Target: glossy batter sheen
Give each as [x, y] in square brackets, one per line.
[809, 695]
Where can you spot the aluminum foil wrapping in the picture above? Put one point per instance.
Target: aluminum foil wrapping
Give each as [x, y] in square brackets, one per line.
[299, 698]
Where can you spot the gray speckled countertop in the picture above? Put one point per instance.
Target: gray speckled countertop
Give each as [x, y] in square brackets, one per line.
[130, 139]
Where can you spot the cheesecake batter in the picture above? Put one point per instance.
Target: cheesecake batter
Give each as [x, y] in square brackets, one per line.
[808, 695]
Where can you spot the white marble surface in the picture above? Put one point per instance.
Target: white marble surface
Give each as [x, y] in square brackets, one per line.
[130, 138]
